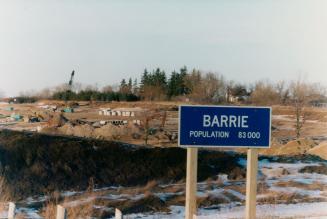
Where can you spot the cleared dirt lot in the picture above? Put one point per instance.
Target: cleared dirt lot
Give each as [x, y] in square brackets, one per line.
[85, 112]
[152, 123]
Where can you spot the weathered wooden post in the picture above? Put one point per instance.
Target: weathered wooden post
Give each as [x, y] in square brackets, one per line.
[118, 214]
[191, 182]
[251, 183]
[11, 210]
[61, 212]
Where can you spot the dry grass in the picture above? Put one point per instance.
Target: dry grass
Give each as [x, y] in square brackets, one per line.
[75, 210]
[281, 198]
[86, 209]
[262, 187]
[50, 209]
[6, 197]
[311, 186]
[148, 188]
[238, 188]
[210, 200]
[174, 189]
[5, 194]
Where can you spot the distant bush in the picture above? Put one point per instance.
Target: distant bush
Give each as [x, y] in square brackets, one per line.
[88, 95]
[24, 99]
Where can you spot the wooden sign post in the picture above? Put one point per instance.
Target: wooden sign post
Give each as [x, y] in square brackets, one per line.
[61, 212]
[223, 126]
[251, 183]
[118, 214]
[11, 210]
[191, 182]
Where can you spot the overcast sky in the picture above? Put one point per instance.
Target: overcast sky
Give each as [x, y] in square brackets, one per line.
[41, 42]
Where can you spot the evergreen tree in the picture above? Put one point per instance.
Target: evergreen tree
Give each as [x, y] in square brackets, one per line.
[144, 78]
[123, 83]
[130, 86]
[159, 78]
[135, 87]
[182, 87]
[176, 83]
[173, 85]
[123, 86]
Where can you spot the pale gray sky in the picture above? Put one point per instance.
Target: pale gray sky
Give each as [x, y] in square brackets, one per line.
[41, 41]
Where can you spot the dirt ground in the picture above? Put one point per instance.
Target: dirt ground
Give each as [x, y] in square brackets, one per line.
[84, 122]
[87, 122]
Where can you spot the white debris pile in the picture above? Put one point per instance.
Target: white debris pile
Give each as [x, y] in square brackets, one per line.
[126, 112]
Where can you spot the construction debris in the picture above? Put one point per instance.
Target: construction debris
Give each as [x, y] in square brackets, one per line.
[137, 122]
[9, 108]
[34, 119]
[126, 112]
[105, 112]
[68, 110]
[16, 117]
[53, 108]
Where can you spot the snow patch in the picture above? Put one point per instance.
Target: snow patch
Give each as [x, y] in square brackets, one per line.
[303, 210]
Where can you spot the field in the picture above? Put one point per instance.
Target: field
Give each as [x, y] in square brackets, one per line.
[92, 165]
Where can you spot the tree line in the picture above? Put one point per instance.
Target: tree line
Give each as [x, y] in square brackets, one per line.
[194, 86]
[208, 87]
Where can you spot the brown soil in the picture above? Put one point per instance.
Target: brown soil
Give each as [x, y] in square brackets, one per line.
[295, 147]
[320, 150]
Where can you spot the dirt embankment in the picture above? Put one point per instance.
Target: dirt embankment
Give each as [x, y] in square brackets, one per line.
[320, 150]
[34, 164]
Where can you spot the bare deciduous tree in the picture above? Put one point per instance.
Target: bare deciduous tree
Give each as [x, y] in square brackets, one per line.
[300, 96]
[44, 93]
[61, 88]
[283, 92]
[264, 93]
[205, 88]
[107, 89]
[303, 94]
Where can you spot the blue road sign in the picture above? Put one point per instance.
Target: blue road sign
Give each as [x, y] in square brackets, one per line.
[224, 126]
